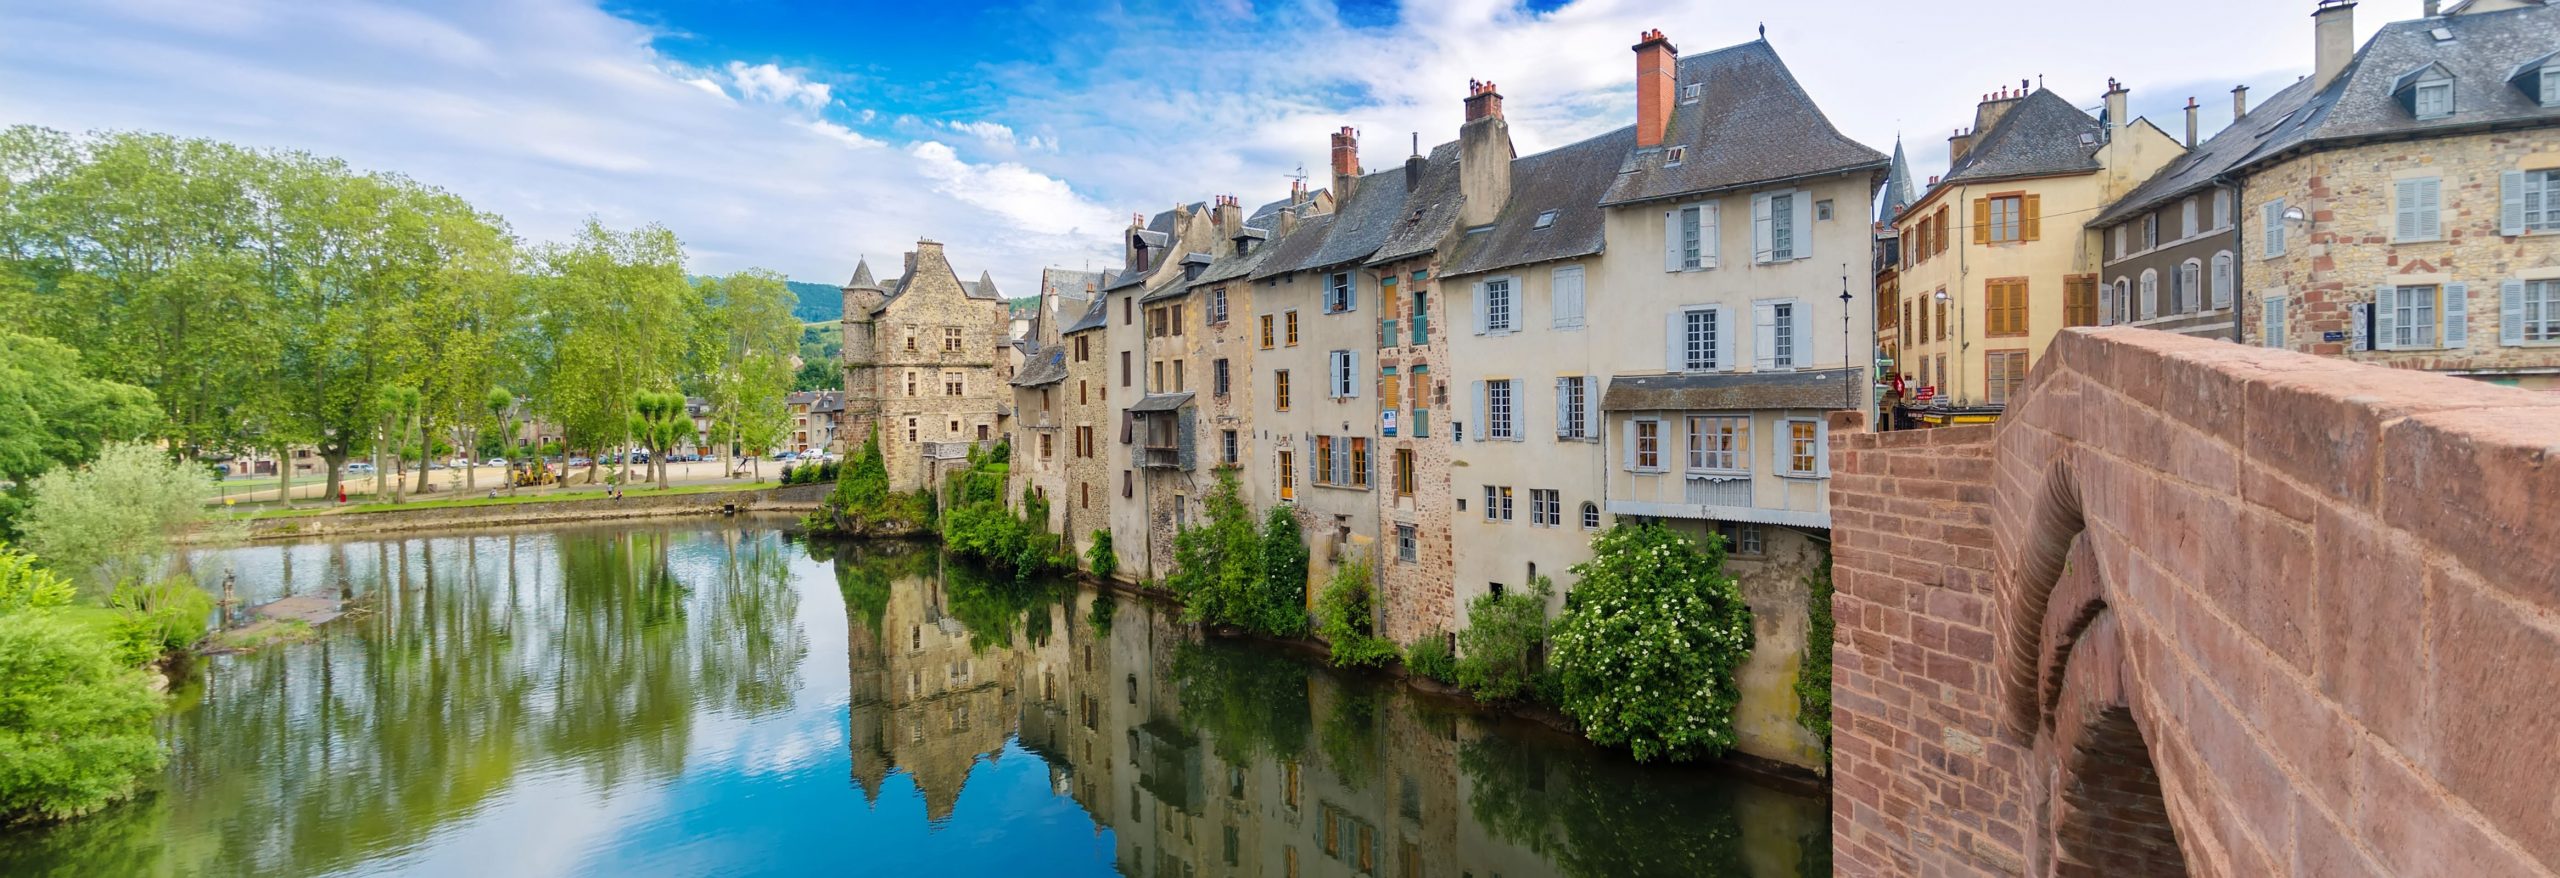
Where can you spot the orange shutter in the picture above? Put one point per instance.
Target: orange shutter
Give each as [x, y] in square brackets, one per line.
[1982, 220]
[2030, 210]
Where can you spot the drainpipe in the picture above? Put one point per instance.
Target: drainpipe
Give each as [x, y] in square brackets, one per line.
[2239, 258]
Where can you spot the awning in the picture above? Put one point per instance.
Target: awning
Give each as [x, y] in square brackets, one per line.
[1161, 402]
[1732, 391]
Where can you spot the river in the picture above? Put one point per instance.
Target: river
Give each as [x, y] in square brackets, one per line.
[729, 698]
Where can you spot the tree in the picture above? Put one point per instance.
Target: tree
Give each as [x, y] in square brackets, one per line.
[1645, 654]
[501, 406]
[1284, 561]
[748, 338]
[1346, 617]
[51, 415]
[614, 308]
[75, 724]
[113, 519]
[397, 407]
[1220, 573]
[1498, 651]
[661, 422]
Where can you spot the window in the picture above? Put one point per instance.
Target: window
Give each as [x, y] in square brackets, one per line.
[1288, 476]
[1590, 515]
[1672, 157]
[2408, 318]
[1689, 93]
[1942, 318]
[1128, 483]
[1421, 426]
[1179, 385]
[1337, 292]
[1421, 315]
[1646, 455]
[911, 429]
[2003, 218]
[1545, 218]
[911, 338]
[1084, 440]
[2551, 86]
[2119, 236]
[1129, 310]
[2122, 307]
[951, 338]
[2007, 373]
[911, 382]
[1083, 351]
[1804, 447]
[1741, 537]
[2005, 306]
[1280, 389]
[1698, 339]
[2538, 199]
[2150, 293]
[2536, 305]
[1408, 549]
[1177, 320]
[1497, 410]
[1227, 446]
[1822, 209]
[2434, 100]
[1719, 444]
[2187, 218]
[1564, 293]
[1782, 227]
[1124, 368]
[1342, 373]
[1267, 334]
[1359, 462]
[1405, 475]
[1782, 346]
[1390, 387]
[1494, 497]
[1217, 305]
[1690, 238]
[2150, 231]
[2271, 222]
[1291, 318]
[954, 384]
[1218, 376]
[2222, 279]
[2079, 300]
[2221, 208]
[1496, 309]
[1084, 392]
[2188, 294]
[2417, 210]
[1573, 408]
[1546, 507]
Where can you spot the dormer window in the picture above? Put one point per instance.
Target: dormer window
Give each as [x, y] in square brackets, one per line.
[1545, 218]
[2427, 92]
[2539, 79]
[1671, 158]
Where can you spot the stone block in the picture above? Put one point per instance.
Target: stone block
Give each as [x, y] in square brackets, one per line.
[2483, 485]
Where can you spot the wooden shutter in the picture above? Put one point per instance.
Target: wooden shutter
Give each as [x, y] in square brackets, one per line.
[1804, 223]
[1675, 357]
[1764, 336]
[2457, 316]
[1723, 351]
[2511, 203]
[2386, 319]
[1591, 407]
[1518, 416]
[1672, 244]
[1351, 291]
[2274, 317]
[2511, 312]
[1480, 425]
[1564, 412]
[1627, 444]
[1803, 342]
[1982, 220]
[1760, 228]
[2404, 210]
[1342, 460]
[1709, 234]
[2031, 218]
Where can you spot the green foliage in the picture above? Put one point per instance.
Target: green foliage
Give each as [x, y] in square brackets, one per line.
[1346, 617]
[1498, 651]
[1645, 656]
[1430, 657]
[160, 618]
[1220, 574]
[113, 519]
[75, 723]
[1350, 736]
[1594, 816]
[1101, 613]
[25, 585]
[980, 526]
[818, 375]
[53, 415]
[1099, 558]
[1813, 678]
[1284, 559]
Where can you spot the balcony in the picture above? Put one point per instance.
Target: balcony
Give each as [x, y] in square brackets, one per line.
[1754, 497]
[1160, 457]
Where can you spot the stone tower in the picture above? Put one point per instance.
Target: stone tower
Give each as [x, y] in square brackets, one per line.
[863, 297]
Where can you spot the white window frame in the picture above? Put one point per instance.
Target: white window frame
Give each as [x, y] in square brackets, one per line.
[1729, 456]
[2191, 294]
[1782, 223]
[2222, 279]
[2150, 301]
[1407, 548]
[1505, 293]
[2417, 209]
[2541, 199]
[1590, 515]
[2187, 221]
[1784, 320]
[1575, 408]
[1690, 236]
[2551, 85]
[2221, 208]
[2406, 306]
[1690, 340]
[2442, 90]
[1785, 448]
[1546, 219]
[1501, 404]
[1635, 445]
[1337, 293]
[2539, 316]
[1218, 305]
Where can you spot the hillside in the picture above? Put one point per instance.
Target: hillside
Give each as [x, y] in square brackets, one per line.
[819, 303]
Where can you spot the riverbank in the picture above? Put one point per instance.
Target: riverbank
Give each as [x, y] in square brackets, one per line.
[555, 509]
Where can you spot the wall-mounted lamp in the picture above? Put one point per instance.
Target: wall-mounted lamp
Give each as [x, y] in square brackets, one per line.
[2295, 215]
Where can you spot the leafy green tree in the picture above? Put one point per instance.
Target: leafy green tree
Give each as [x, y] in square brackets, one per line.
[51, 415]
[1219, 571]
[818, 374]
[1346, 617]
[661, 423]
[113, 519]
[747, 336]
[614, 308]
[1284, 561]
[1645, 656]
[75, 723]
[1099, 558]
[398, 409]
[1498, 651]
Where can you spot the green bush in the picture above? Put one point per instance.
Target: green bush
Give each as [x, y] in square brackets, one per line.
[1498, 651]
[158, 619]
[1284, 561]
[1347, 618]
[1813, 679]
[113, 519]
[1100, 558]
[1645, 655]
[75, 723]
[1220, 574]
[24, 585]
[1430, 657]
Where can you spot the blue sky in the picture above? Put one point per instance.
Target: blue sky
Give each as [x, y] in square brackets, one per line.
[797, 136]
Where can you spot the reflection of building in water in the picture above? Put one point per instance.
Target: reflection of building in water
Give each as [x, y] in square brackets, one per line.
[923, 701]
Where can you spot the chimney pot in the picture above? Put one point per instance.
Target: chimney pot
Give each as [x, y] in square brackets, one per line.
[1657, 84]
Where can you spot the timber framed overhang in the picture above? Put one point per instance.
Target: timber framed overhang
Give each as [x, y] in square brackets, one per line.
[1730, 391]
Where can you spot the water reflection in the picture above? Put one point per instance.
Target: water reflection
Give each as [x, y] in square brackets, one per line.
[667, 700]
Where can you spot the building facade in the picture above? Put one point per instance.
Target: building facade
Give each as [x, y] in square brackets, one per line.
[926, 364]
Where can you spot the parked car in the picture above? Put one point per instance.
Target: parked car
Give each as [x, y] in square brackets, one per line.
[497, 461]
[357, 469]
[580, 461]
[787, 455]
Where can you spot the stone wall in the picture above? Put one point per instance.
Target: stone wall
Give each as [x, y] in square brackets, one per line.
[931, 303]
[2247, 611]
[795, 498]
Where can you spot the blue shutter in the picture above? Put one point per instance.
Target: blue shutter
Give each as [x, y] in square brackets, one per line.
[2457, 316]
[2511, 203]
[2511, 312]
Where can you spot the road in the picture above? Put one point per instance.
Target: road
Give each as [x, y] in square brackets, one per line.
[444, 482]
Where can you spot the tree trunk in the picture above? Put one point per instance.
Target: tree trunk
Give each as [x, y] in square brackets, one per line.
[332, 459]
[380, 432]
[284, 476]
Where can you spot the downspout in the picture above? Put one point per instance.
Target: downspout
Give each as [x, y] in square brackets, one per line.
[2239, 257]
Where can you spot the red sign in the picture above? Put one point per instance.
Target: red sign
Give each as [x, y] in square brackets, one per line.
[1928, 393]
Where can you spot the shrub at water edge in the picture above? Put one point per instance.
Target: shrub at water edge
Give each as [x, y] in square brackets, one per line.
[1645, 657]
[1347, 618]
[1499, 650]
[1430, 657]
[1100, 558]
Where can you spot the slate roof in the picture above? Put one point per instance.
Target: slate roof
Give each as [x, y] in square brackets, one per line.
[1265, 216]
[1815, 389]
[1295, 248]
[1353, 232]
[2225, 150]
[1898, 191]
[2038, 137]
[1429, 210]
[1121, 280]
[1094, 316]
[1568, 180]
[1161, 402]
[1045, 367]
[1751, 124]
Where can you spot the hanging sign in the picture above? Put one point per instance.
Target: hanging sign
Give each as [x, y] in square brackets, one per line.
[1387, 423]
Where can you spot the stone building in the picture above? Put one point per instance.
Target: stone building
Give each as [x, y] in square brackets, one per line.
[2167, 249]
[1986, 279]
[926, 364]
[1040, 431]
[1083, 502]
[1157, 477]
[2408, 212]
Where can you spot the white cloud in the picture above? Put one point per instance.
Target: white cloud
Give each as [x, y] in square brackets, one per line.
[709, 86]
[766, 82]
[841, 134]
[1034, 202]
[987, 131]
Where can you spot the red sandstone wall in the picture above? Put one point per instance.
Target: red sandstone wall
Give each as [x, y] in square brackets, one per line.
[2324, 597]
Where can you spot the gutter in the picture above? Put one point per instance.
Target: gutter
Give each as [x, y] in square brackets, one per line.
[2239, 260]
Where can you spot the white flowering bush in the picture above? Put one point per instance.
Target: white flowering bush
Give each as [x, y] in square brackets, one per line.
[1646, 650]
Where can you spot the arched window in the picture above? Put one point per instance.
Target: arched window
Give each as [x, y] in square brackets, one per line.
[2150, 301]
[2222, 279]
[2121, 310]
[2190, 286]
[1590, 515]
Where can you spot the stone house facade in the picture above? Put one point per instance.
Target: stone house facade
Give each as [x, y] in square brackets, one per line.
[1083, 501]
[2409, 224]
[1154, 455]
[926, 363]
[1043, 440]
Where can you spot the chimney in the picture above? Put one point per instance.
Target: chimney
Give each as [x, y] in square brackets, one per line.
[2433, 9]
[1958, 144]
[1230, 217]
[1484, 157]
[2333, 28]
[1657, 87]
[1996, 105]
[2191, 121]
[2239, 102]
[2115, 107]
[1413, 163]
[1346, 162]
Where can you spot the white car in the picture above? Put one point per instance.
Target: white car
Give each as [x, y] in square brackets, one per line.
[497, 461]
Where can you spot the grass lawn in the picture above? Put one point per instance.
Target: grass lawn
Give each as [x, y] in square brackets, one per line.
[503, 500]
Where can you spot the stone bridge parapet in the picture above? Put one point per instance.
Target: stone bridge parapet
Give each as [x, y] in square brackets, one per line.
[2196, 608]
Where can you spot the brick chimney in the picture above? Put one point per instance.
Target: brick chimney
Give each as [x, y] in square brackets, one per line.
[1958, 144]
[2239, 102]
[2191, 121]
[1346, 162]
[1657, 87]
[2333, 28]
[1484, 157]
[1996, 105]
[1230, 216]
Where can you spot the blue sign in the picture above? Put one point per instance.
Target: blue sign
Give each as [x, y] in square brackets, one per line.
[2334, 335]
[1387, 423]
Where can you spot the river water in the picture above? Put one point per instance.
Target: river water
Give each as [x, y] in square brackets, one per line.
[727, 698]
